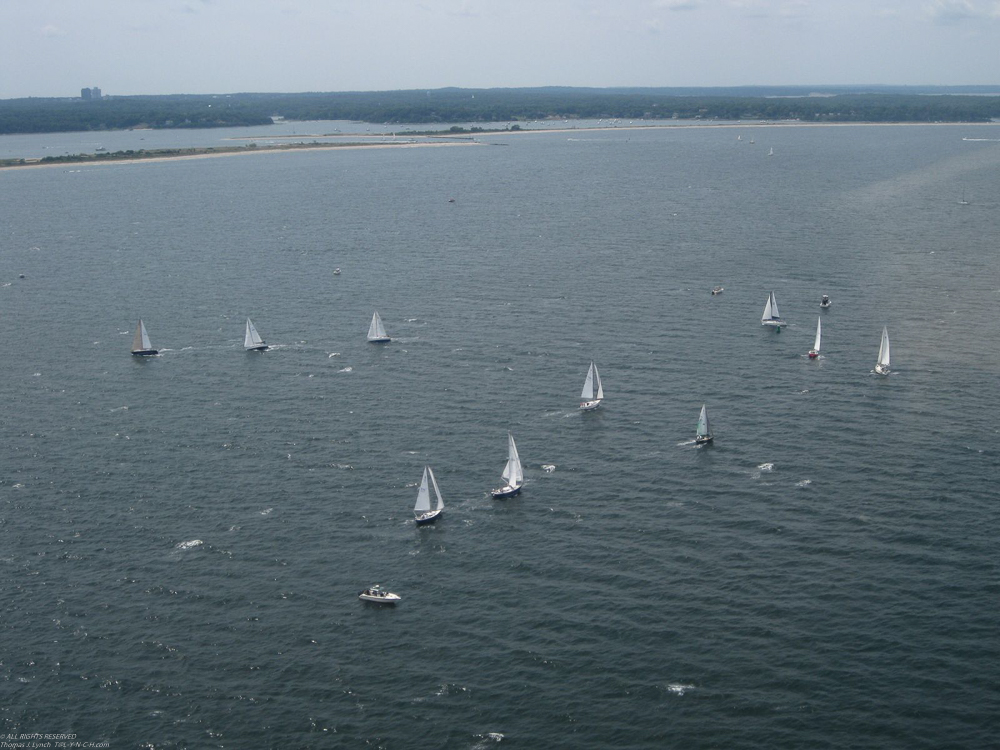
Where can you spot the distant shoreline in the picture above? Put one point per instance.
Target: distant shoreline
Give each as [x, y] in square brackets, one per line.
[157, 155]
[445, 138]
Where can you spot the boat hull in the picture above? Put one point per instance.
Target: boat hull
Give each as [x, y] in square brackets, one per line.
[426, 518]
[380, 340]
[145, 352]
[507, 491]
[813, 354]
[261, 348]
[882, 369]
[703, 439]
[590, 405]
[387, 599]
[775, 323]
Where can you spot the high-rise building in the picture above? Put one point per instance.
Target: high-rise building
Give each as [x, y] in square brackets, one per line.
[85, 94]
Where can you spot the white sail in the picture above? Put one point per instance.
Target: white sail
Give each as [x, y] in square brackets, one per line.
[883, 350]
[775, 315]
[703, 430]
[376, 330]
[512, 472]
[140, 342]
[423, 495]
[252, 339]
[597, 379]
[767, 311]
[437, 492]
[588, 385]
[819, 330]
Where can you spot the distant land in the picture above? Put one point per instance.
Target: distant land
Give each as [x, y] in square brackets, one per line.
[452, 105]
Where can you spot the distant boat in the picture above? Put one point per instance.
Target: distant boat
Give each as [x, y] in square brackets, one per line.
[771, 317]
[718, 290]
[378, 595]
[513, 475]
[336, 272]
[252, 341]
[825, 302]
[376, 331]
[739, 137]
[814, 352]
[771, 152]
[422, 511]
[882, 367]
[141, 346]
[593, 390]
[704, 434]
[963, 202]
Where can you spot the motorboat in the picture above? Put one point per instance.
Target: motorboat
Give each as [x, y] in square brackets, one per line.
[378, 595]
[718, 290]
[825, 302]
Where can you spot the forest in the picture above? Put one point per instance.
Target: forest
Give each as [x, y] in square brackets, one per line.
[454, 105]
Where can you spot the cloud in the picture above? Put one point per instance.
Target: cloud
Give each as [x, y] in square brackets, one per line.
[957, 11]
[677, 4]
[50, 30]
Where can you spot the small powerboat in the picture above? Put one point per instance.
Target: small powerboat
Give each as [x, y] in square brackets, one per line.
[378, 595]
[718, 290]
[825, 302]
[336, 272]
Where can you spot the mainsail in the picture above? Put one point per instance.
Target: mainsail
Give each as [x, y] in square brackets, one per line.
[252, 338]
[423, 495]
[376, 329]
[703, 430]
[592, 383]
[883, 350]
[512, 472]
[140, 342]
[819, 329]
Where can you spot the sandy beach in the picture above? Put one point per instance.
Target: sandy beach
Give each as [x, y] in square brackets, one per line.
[242, 152]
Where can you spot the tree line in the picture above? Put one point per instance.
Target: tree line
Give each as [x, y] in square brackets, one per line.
[886, 104]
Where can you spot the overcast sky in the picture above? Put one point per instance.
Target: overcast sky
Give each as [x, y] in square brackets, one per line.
[55, 47]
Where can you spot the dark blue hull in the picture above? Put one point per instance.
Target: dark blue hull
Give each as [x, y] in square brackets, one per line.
[506, 493]
[145, 353]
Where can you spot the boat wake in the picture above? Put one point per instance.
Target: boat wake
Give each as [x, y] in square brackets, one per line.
[678, 689]
[761, 469]
[548, 468]
[803, 483]
[485, 740]
[346, 369]
[189, 545]
[333, 354]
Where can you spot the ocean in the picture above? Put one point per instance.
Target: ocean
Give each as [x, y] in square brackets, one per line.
[183, 537]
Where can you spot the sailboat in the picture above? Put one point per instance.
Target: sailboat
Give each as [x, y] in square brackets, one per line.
[252, 342]
[376, 331]
[513, 475]
[141, 347]
[593, 390]
[704, 434]
[422, 511]
[771, 317]
[814, 352]
[771, 152]
[882, 367]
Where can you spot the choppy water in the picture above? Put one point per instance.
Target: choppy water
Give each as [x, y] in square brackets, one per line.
[182, 538]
